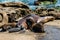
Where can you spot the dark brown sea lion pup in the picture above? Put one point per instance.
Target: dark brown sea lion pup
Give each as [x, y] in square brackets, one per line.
[33, 22]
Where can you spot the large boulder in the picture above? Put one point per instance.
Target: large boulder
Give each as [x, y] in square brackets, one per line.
[14, 4]
[15, 13]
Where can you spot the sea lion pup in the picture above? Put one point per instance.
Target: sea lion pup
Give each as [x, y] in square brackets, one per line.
[32, 22]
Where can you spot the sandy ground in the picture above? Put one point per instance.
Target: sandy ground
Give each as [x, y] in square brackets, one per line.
[52, 33]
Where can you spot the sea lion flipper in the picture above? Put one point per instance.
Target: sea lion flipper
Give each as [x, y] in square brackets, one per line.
[14, 30]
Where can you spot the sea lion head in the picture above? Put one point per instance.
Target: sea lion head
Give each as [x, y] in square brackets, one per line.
[29, 22]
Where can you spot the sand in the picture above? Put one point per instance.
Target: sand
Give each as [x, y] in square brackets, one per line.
[52, 33]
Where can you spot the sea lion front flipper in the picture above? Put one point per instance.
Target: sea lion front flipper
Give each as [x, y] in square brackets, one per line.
[17, 29]
[14, 30]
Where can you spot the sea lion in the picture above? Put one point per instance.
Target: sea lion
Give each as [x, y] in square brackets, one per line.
[32, 22]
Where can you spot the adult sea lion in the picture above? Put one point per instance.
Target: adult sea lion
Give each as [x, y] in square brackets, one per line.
[33, 22]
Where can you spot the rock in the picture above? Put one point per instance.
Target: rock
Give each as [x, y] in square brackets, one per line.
[53, 12]
[24, 12]
[41, 11]
[14, 4]
[17, 12]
